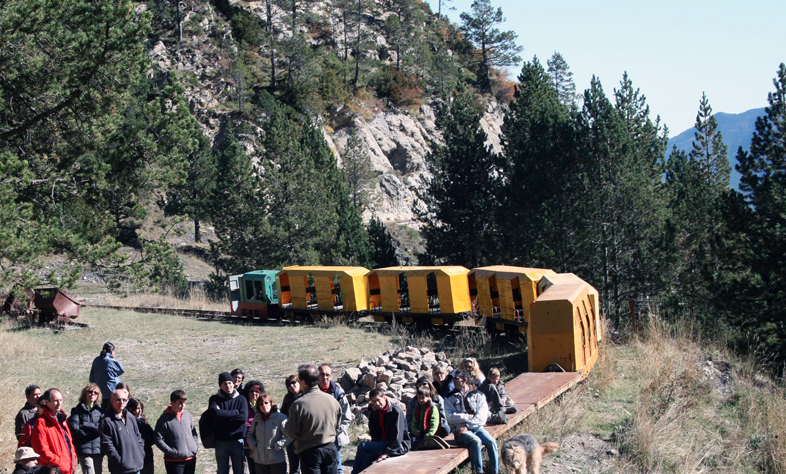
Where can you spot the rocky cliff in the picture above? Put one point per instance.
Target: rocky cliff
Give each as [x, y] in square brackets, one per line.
[396, 140]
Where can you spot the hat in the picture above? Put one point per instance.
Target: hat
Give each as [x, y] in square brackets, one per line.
[24, 453]
[225, 377]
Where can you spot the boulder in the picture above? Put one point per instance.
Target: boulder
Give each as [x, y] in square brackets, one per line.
[350, 378]
[370, 380]
[385, 377]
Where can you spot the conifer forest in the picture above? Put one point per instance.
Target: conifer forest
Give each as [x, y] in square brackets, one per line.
[96, 136]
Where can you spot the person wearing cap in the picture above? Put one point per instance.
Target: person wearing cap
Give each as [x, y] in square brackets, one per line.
[177, 437]
[121, 441]
[51, 437]
[106, 372]
[32, 392]
[26, 461]
[230, 411]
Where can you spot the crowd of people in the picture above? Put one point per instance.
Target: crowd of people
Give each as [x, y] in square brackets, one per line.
[247, 429]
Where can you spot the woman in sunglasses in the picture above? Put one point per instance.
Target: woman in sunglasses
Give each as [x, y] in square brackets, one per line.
[83, 422]
[293, 393]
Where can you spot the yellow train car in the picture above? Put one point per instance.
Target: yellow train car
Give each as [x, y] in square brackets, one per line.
[323, 290]
[505, 292]
[564, 327]
[434, 295]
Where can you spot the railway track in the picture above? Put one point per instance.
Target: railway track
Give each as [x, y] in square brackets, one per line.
[189, 313]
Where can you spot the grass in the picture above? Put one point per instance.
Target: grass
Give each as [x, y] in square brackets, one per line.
[668, 401]
[163, 353]
[663, 403]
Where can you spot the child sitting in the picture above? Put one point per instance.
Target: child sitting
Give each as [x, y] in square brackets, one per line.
[425, 419]
[497, 398]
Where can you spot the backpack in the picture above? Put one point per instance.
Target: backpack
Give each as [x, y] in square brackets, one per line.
[207, 422]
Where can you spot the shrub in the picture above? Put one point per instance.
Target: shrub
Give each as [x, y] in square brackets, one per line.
[402, 88]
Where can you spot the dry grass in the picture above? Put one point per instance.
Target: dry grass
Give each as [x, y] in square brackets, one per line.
[196, 299]
[162, 353]
[697, 408]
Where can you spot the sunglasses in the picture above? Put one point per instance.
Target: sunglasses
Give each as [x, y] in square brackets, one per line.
[290, 383]
[93, 392]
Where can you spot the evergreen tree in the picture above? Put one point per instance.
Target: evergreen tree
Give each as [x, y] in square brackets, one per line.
[709, 151]
[757, 217]
[460, 198]
[562, 77]
[626, 202]
[383, 251]
[147, 153]
[496, 48]
[237, 211]
[404, 28]
[67, 68]
[538, 217]
[357, 170]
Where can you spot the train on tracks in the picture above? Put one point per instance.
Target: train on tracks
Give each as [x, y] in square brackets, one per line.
[558, 313]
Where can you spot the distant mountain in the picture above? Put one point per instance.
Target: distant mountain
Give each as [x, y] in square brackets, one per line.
[736, 129]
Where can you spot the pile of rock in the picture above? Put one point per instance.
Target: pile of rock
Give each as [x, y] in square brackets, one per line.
[394, 371]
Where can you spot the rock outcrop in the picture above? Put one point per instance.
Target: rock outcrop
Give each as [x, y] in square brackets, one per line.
[396, 140]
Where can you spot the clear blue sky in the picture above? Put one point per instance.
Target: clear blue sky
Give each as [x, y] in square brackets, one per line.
[672, 50]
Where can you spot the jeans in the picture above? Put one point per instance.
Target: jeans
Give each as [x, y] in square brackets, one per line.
[368, 452]
[319, 460]
[473, 440]
[339, 467]
[180, 467]
[90, 463]
[294, 459]
[226, 450]
[280, 468]
[250, 461]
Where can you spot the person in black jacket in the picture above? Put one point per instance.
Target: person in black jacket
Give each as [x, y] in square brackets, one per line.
[177, 437]
[84, 423]
[137, 408]
[388, 430]
[293, 393]
[121, 441]
[230, 410]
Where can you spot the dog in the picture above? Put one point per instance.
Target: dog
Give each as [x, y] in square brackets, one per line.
[522, 453]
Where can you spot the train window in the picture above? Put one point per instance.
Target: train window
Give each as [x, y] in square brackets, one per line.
[259, 290]
[273, 292]
[249, 289]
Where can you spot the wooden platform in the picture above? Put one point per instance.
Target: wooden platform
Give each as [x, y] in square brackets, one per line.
[529, 390]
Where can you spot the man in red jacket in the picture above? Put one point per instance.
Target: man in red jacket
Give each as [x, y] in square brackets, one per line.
[51, 436]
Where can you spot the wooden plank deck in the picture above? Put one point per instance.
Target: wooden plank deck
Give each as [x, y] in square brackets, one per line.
[529, 390]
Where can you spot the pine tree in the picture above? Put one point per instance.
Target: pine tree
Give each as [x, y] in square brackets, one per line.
[357, 170]
[460, 198]
[68, 68]
[562, 77]
[537, 216]
[237, 212]
[708, 148]
[757, 216]
[626, 208]
[496, 48]
[383, 251]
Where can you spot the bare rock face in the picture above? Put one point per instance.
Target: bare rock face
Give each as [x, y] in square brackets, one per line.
[397, 141]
